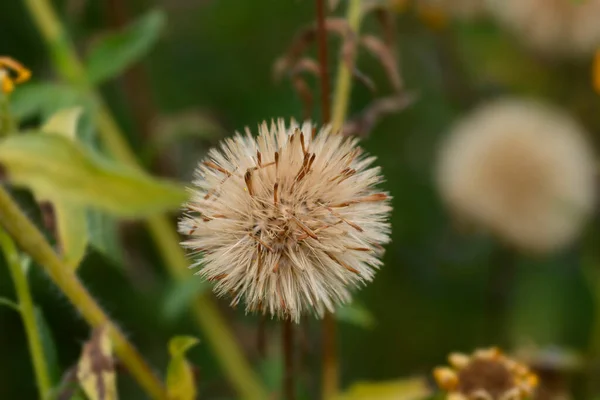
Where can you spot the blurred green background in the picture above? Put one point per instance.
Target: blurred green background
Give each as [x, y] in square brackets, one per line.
[441, 290]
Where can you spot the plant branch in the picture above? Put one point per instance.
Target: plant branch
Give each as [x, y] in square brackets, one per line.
[322, 44]
[343, 87]
[223, 343]
[27, 311]
[31, 240]
[287, 341]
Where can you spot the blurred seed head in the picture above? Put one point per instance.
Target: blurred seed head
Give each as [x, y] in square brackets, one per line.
[487, 374]
[560, 27]
[287, 223]
[522, 170]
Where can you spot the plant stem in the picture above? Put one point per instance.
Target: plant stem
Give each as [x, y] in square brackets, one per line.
[29, 238]
[343, 86]
[287, 341]
[330, 361]
[322, 44]
[225, 347]
[27, 311]
[330, 358]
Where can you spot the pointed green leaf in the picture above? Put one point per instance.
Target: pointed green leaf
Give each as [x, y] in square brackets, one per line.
[181, 384]
[117, 51]
[56, 168]
[48, 345]
[44, 99]
[70, 218]
[356, 314]
[401, 389]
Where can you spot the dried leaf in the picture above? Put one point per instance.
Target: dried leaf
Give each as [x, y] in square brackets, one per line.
[181, 384]
[364, 123]
[386, 57]
[95, 369]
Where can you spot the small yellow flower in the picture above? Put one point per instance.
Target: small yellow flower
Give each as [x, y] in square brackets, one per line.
[12, 73]
[596, 72]
[487, 374]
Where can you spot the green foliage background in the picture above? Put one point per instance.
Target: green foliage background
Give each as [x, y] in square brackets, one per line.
[440, 290]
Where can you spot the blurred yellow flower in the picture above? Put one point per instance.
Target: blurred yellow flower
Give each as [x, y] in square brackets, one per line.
[486, 374]
[596, 72]
[8, 68]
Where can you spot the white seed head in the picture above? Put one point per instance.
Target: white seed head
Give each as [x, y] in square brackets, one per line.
[460, 9]
[563, 27]
[522, 170]
[285, 222]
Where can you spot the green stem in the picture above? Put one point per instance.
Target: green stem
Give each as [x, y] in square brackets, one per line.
[31, 240]
[27, 311]
[216, 331]
[343, 87]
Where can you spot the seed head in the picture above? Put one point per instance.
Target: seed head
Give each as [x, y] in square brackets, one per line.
[563, 27]
[285, 222]
[522, 170]
[485, 375]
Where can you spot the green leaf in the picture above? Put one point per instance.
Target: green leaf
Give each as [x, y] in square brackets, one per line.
[401, 389]
[356, 314]
[119, 50]
[181, 384]
[48, 345]
[56, 168]
[44, 99]
[70, 218]
[179, 296]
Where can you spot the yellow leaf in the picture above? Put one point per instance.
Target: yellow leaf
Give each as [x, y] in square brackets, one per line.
[181, 384]
[401, 389]
[64, 123]
[71, 219]
[596, 72]
[95, 369]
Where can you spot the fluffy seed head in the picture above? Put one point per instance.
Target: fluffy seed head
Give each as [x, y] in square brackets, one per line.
[487, 374]
[522, 170]
[285, 222]
[563, 27]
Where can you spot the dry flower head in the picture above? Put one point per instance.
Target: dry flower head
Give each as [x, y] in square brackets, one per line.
[563, 27]
[487, 374]
[286, 222]
[522, 170]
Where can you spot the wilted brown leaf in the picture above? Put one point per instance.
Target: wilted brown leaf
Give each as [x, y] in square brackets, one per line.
[96, 369]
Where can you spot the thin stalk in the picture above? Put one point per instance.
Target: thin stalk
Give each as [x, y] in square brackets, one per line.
[216, 332]
[330, 360]
[31, 240]
[322, 50]
[343, 86]
[287, 341]
[27, 312]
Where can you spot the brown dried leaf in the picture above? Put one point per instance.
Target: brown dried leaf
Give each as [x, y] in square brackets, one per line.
[305, 94]
[304, 38]
[96, 369]
[364, 122]
[385, 56]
